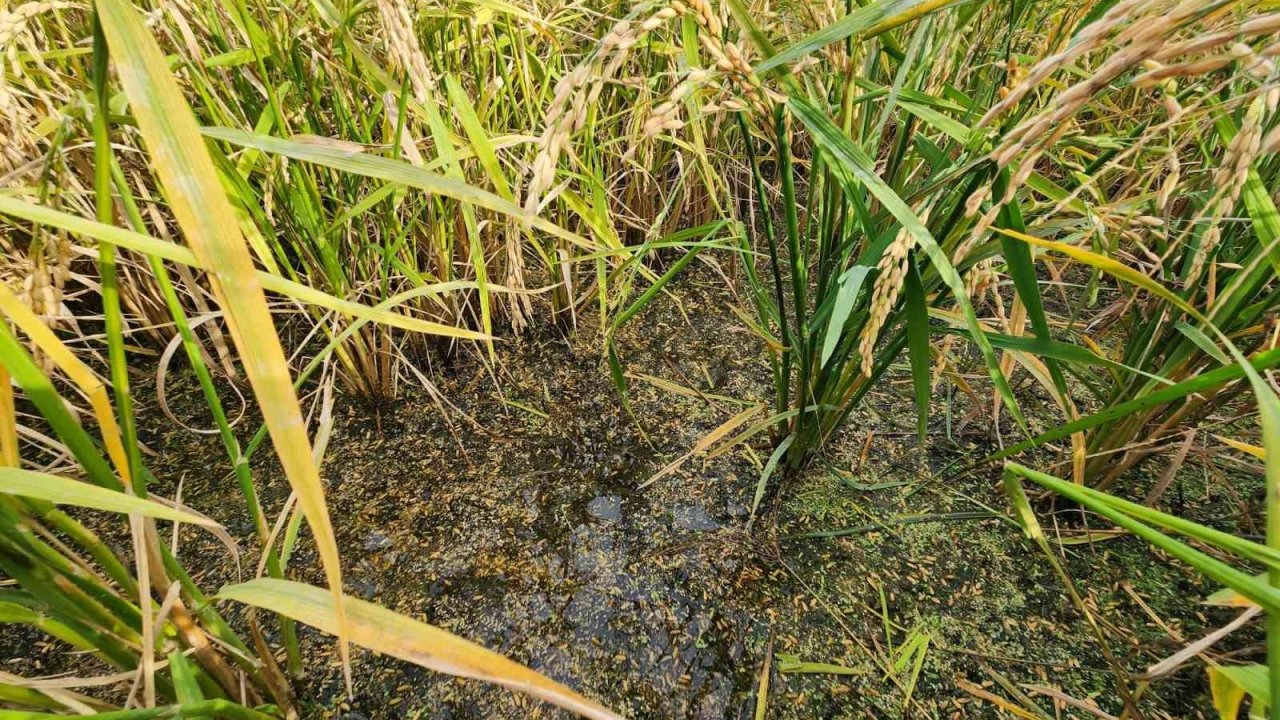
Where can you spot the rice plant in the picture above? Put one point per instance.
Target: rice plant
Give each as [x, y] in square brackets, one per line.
[1181, 200]
[864, 183]
[948, 202]
[1231, 684]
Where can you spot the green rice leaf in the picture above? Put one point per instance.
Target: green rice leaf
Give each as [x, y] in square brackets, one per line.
[1203, 342]
[848, 288]
[1247, 585]
[65, 491]
[397, 171]
[769, 468]
[865, 22]
[1199, 383]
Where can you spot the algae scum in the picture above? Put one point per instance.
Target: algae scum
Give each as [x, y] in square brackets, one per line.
[526, 532]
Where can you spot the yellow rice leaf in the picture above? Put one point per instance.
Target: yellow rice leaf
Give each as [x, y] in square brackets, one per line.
[180, 159]
[1108, 265]
[729, 426]
[1228, 597]
[76, 371]
[8, 421]
[1254, 450]
[390, 633]
[148, 245]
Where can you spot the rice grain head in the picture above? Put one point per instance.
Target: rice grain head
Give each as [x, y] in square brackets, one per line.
[17, 116]
[404, 49]
[891, 273]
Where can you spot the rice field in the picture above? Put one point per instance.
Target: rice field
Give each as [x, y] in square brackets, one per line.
[674, 359]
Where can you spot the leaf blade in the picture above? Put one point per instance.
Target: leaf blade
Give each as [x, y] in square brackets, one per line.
[399, 636]
[67, 491]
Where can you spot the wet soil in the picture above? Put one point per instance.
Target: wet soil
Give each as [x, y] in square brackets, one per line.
[527, 531]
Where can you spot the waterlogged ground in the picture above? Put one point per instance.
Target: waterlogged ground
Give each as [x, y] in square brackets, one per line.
[527, 532]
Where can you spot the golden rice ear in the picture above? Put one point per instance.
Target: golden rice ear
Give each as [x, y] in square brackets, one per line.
[397, 23]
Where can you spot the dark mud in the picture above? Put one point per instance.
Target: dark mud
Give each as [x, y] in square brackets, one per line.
[526, 532]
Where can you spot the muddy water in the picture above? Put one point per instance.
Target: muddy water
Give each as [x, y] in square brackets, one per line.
[542, 549]
[525, 532]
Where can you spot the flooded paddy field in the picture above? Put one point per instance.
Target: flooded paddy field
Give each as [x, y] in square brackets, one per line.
[530, 529]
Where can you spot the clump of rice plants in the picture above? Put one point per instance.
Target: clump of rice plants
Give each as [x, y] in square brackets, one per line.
[858, 248]
[302, 121]
[858, 251]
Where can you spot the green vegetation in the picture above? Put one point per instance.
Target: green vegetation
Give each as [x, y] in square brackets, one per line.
[1055, 220]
